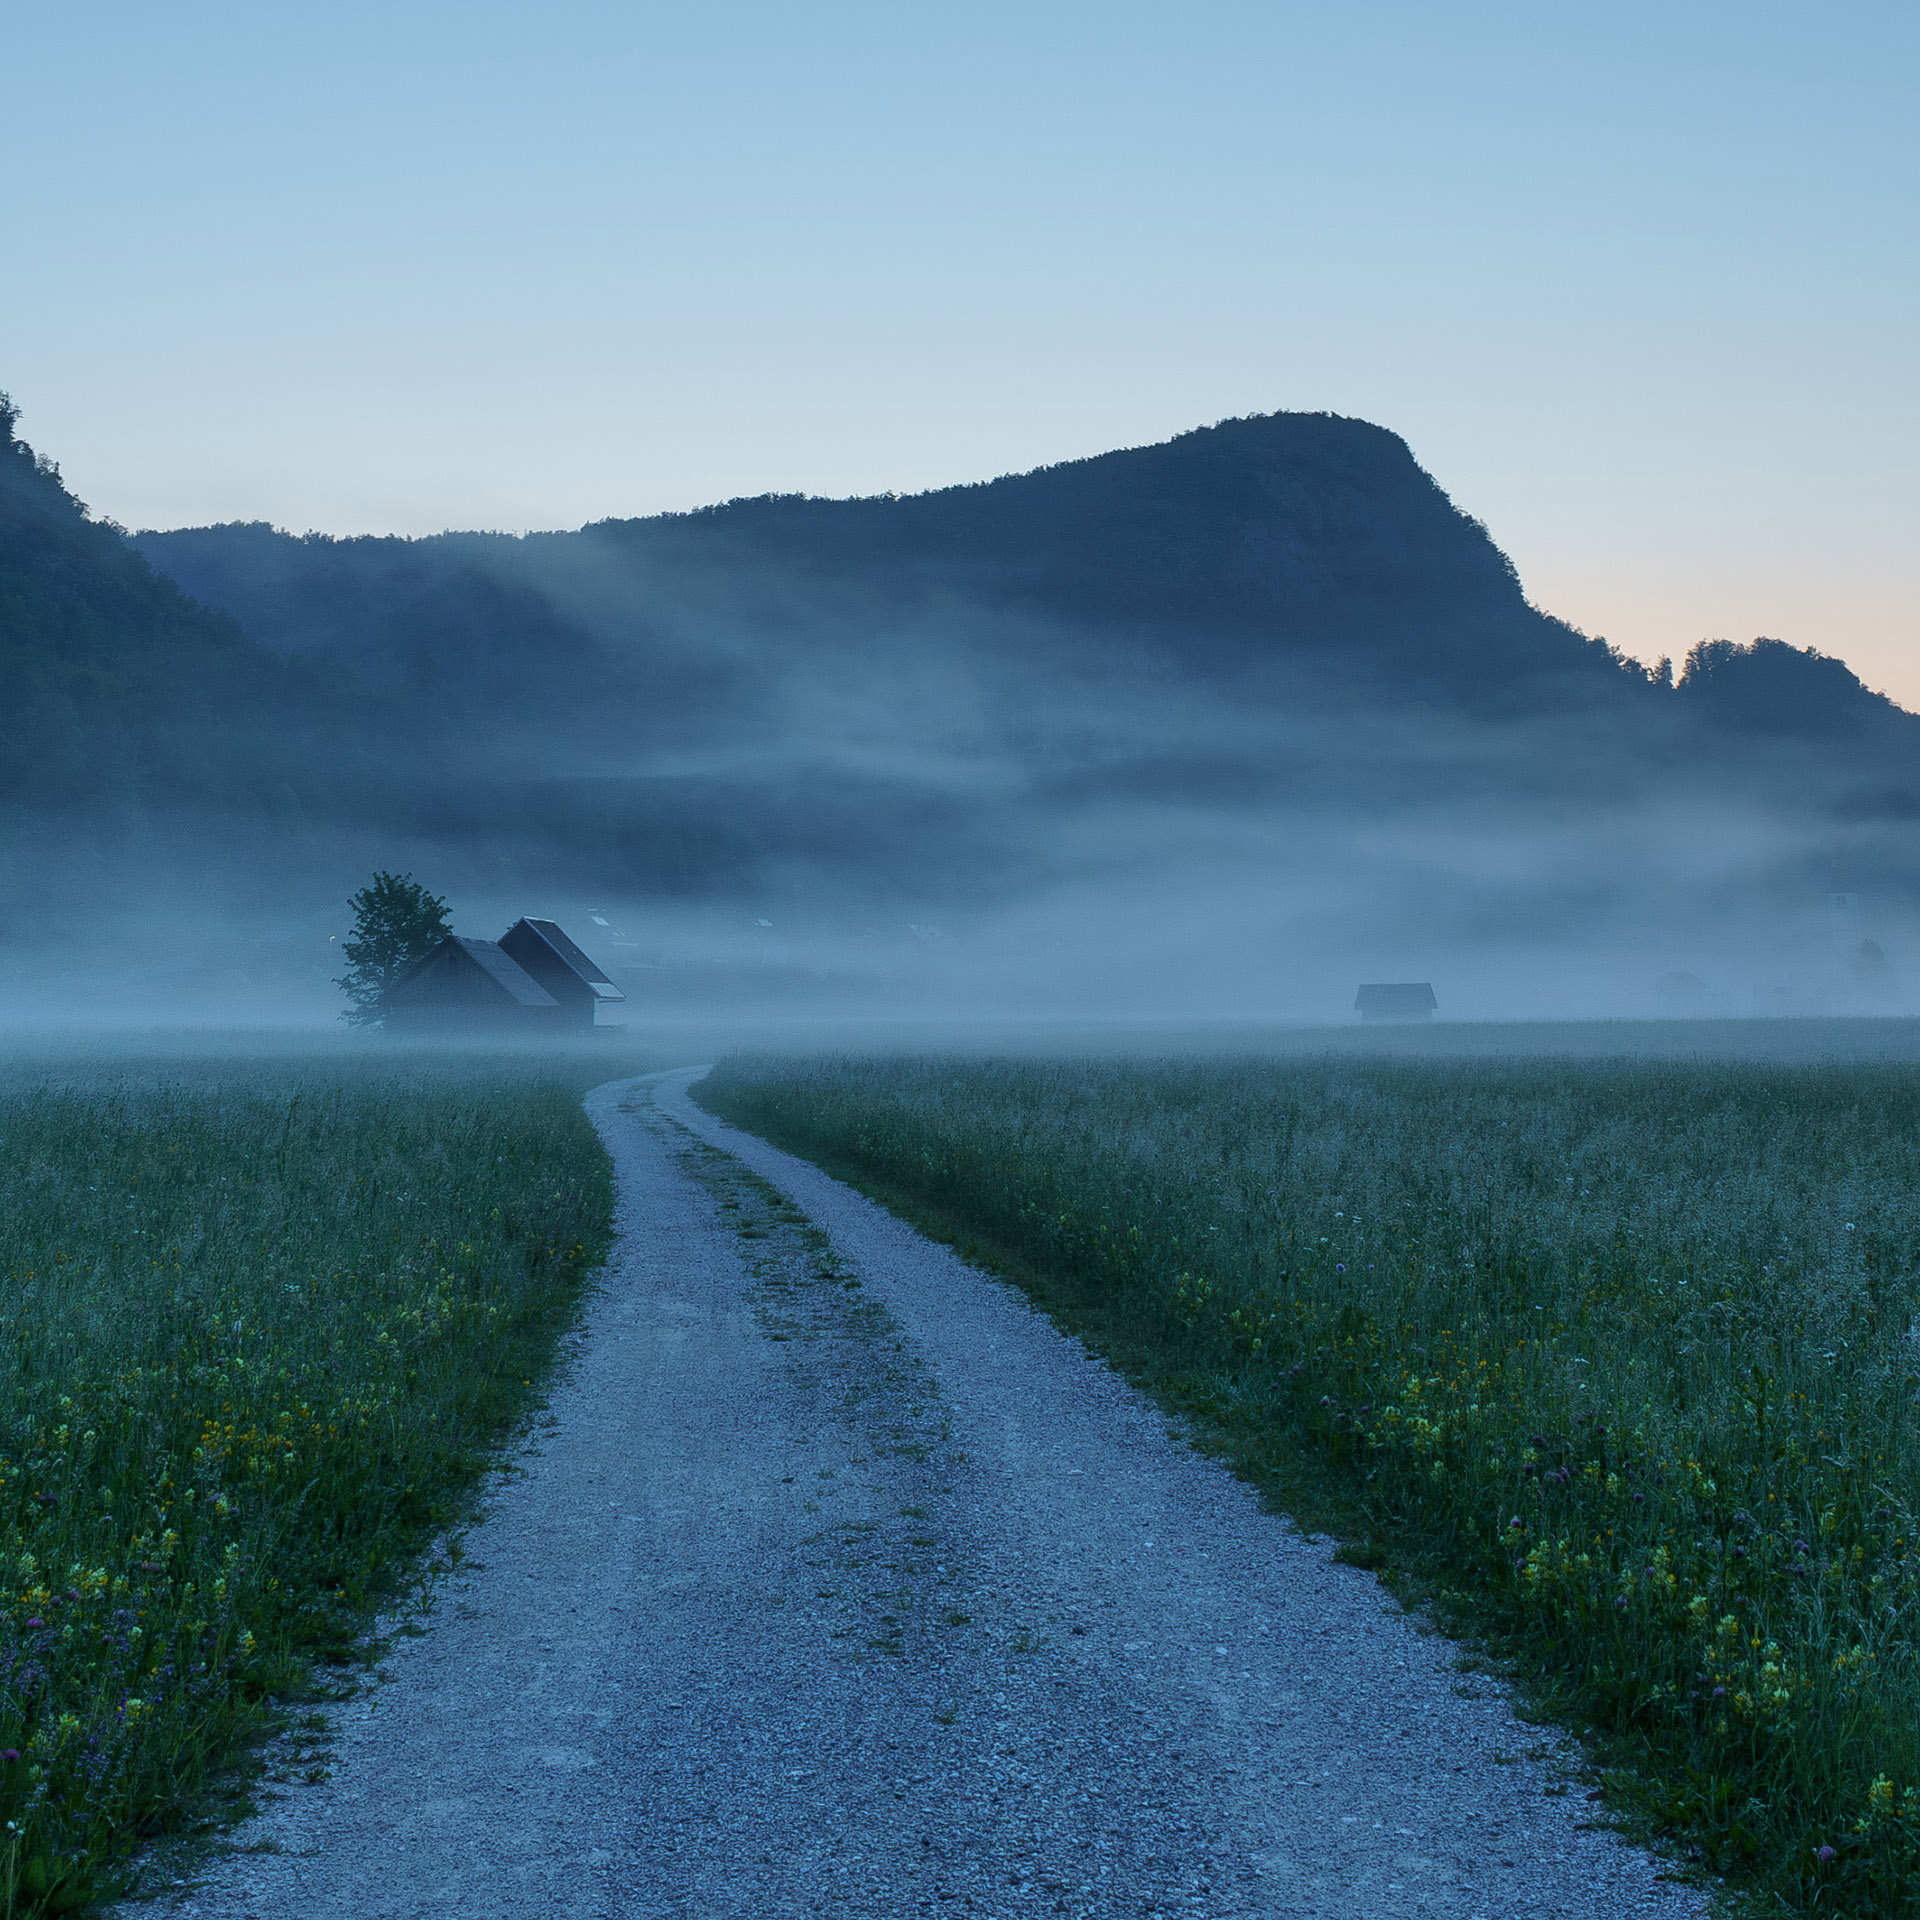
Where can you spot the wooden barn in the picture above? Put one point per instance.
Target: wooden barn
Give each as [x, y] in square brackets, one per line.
[533, 979]
[1399, 1001]
[539, 948]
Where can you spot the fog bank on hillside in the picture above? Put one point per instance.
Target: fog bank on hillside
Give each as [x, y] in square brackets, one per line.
[1215, 730]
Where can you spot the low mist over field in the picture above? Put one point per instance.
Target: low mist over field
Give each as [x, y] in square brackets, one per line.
[1217, 728]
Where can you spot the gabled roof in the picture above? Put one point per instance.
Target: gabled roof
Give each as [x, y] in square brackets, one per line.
[568, 955]
[1409, 996]
[504, 972]
[510, 973]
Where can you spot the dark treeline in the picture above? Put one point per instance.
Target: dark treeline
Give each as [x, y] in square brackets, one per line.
[116, 685]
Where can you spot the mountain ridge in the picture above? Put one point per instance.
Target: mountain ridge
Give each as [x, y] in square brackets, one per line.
[1306, 539]
[1268, 660]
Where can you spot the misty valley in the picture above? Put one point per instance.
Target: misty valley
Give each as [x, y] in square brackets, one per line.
[1217, 728]
[1462, 1077]
[959, 963]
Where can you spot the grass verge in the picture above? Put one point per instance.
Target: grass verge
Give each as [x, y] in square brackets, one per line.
[1615, 1363]
[263, 1323]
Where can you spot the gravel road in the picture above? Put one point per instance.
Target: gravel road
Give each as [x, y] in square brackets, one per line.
[839, 1583]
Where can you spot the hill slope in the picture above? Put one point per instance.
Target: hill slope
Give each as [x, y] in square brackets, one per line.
[1169, 701]
[1275, 552]
[1288, 536]
[112, 681]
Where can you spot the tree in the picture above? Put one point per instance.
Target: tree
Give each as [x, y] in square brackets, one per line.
[396, 921]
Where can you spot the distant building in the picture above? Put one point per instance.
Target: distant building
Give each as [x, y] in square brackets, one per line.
[1412, 1000]
[1685, 989]
[533, 979]
[541, 949]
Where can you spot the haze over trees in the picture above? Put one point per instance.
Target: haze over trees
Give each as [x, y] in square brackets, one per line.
[1122, 693]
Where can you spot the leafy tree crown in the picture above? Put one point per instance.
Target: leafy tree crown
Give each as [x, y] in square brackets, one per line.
[396, 921]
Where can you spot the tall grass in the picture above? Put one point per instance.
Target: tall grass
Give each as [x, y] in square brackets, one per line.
[1619, 1359]
[259, 1325]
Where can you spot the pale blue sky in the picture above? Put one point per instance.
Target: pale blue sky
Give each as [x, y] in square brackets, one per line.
[1638, 282]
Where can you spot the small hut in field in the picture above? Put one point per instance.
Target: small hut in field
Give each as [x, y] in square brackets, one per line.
[1387, 1003]
[532, 980]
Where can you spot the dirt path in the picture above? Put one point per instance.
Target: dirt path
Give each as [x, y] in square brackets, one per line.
[841, 1584]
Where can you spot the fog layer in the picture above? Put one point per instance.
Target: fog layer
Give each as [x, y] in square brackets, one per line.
[1218, 728]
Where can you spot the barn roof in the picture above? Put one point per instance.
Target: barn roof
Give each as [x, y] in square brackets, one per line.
[509, 973]
[505, 973]
[570, 956]
[1400, 996]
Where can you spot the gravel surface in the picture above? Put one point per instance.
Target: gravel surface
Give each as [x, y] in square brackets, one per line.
[840, 1583]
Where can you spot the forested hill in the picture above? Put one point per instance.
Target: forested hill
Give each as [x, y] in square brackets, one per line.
[1273, 552]
[111, 680]
[1284, 534]
[1250, 644]
[1294, 537]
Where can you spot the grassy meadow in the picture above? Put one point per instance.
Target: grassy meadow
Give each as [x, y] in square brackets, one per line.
[1616, 1362]
[263, 1320]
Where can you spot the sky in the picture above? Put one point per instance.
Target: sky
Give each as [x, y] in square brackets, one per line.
[1638, 283]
